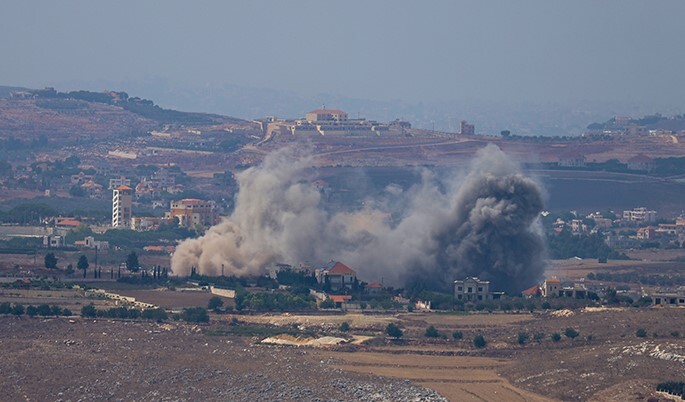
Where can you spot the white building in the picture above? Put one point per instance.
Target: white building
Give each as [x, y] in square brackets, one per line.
[472, 289]
[640, 215]
[122, 202]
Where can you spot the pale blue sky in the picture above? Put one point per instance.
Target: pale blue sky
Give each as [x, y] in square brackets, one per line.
[540, 51]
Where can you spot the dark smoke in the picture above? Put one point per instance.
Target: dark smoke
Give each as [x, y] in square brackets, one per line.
[482, 224]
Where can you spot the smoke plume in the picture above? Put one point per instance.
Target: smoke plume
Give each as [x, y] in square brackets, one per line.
[479, 223]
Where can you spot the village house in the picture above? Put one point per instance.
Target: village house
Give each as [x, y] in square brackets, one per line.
[339, 275]
[472, 289]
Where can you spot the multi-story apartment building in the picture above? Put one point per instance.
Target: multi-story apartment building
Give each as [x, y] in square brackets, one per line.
[122, 202]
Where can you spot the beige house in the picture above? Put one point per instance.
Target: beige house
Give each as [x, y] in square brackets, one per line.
[472, 289]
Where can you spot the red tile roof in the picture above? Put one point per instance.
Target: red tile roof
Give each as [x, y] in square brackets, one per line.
[340, 298]
[374, 285]
[68, 222]
[341, 269]
[532, 291]
[124, 188]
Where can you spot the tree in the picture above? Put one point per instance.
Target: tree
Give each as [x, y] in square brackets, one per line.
[31, 311]
[215, 303]
[522, 338]
[556, 337]
[132, 263]
[641, 333]
[571, 333]
[50, 261]
[505, 133]
[431, 332]
[479, 341]
[344, 327]
[70, 269]
[83, 264]
[457, 335]
[393, 331]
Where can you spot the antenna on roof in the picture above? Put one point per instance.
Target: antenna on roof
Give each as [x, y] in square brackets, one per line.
[323, 107]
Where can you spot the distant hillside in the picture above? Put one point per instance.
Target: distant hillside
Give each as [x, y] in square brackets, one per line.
[79, 115]
[5, 92]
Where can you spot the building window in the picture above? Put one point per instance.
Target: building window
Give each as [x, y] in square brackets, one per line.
[480, 297]
[470, 289]
[459, 297]
[480, 288]
[459, 288]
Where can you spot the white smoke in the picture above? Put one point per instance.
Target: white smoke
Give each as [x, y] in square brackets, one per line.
[481, 224]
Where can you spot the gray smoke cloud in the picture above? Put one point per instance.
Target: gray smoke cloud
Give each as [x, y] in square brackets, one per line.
[479, 223]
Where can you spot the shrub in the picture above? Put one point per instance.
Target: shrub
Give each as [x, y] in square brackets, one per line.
[328, 303]
[546, 305]
[195, 314]
[66, 312]
[55, 310]
[156, 314]
[431, 332]
[5, 308]
[18, 310]
[344, 327]
[539, 336]
[88, 311]
[571, 333]
[393, 331]
[641, 333]
[44, 310]
[457, 335]
[556, 337]
[675, 334]
[522, 338]
[479, 341]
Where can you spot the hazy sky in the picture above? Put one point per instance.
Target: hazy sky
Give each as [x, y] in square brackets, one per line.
[386, 50]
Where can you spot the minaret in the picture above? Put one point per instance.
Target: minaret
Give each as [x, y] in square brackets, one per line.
[122, 201]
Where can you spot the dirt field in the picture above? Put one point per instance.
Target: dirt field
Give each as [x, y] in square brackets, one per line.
[168, 299]
[606, 362]
[457, 378]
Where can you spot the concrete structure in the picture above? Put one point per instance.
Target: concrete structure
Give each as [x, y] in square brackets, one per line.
[572, 160]
[467, 129]
[640, 215]
[52, 241]
[669, 298]
[339, 275]
[118, 182]
[122, 203]
[472, 289]
[551, 287]
[190, 212]
[144, 223]
[641, 162]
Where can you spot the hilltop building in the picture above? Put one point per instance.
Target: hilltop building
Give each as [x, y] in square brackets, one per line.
[122, 202]
[327, 115]
[467, 129]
